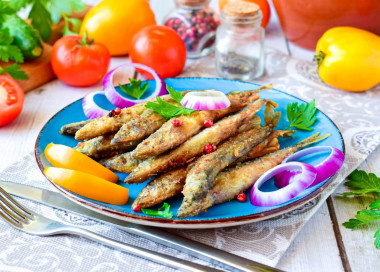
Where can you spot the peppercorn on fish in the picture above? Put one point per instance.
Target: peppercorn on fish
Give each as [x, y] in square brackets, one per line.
[193, 147]
[101, 147]
[72, 128]
[171, 183]
[200, 178]
[233, 181]
[169, 136]
[110, 124]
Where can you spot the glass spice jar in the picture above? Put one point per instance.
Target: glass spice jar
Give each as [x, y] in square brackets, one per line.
[196, 23]
[239, 47]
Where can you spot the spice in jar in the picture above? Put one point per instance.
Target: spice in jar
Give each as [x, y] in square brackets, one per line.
[239, 50]
[196, 24]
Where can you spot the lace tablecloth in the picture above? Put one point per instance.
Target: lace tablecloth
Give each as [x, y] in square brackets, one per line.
[356, 115]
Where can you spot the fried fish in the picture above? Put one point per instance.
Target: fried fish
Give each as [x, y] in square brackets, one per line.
[101, 147]
[169, 136]
[193, 147]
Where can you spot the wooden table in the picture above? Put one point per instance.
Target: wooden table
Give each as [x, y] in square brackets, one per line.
[322, 245]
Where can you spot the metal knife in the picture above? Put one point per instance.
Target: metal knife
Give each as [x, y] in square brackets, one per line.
[209, 254]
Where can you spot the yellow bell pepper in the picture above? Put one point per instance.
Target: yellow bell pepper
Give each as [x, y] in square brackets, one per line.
[349, 58]
[66, 157]
[88, 185]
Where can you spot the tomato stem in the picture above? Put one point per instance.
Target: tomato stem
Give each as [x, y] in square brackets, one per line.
[318, 58]
[85, 41]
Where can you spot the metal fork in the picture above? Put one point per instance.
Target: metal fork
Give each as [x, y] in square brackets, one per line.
[25, 220]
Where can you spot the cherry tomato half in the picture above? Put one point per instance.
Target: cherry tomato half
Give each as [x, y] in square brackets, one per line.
[160, 48]
[78, 61]
[11, 99]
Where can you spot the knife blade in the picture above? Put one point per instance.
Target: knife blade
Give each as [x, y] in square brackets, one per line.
[209, 254]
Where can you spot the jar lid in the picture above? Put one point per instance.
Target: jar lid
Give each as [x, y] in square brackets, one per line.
[191, 3]
[241, 9]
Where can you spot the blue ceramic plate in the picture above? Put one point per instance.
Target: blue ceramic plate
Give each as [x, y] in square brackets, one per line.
[226, 214]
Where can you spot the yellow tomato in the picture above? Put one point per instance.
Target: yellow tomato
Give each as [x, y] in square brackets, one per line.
[115, 22]
[67, 157]
[88, 185]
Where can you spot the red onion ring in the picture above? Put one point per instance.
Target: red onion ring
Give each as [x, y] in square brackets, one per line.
[264, 199]
[205, 100]
[90, 108]
[325, 169]
[115, 98]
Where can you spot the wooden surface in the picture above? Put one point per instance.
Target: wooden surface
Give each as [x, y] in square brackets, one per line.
[316, 246]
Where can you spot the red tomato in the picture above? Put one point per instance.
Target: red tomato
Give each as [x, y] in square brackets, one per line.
[160, 48]
[11, 99]
[78, 62]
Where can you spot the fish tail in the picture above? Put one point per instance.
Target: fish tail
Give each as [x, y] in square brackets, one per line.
[271, 117]
[311, 140]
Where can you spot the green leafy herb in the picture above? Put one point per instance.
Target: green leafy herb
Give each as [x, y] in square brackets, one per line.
[14, 71]
[363, 183]
[57, 8]
[177, 96]
[71, 27]
[166, 109]
[135, 89]
[7, 51]
[41, 19]
[302, 116]
[163, 211]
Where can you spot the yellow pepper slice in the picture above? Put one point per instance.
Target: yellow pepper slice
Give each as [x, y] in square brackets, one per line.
[66, 157]
[349, 58]
[88, 185]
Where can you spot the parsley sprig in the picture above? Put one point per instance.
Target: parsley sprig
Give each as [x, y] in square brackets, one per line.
[9, 52]
[14, 71]
[302, 116]
[163, 211]
[135, 89]
[166, 109]
[362, 183]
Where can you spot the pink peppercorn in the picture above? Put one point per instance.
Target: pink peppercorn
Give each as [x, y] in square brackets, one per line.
[208, 123]
[241, 197]
[209, 148]
[117, 111]
[177, 123]
[136, 208]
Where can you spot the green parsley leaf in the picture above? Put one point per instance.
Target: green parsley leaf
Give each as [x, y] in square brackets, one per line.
[5, 39]
[16, 5]
[166, 109]
[375, 205]
[8, 7]
[362, 183]
[166, 213]
[134, 89]
[302, 116]
[7, 51]
[14, 71]
[58, 8]
[177, 96]
[377, 239]
[362, 217]
[41, 20]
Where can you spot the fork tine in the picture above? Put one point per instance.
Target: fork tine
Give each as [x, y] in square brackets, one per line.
[27, 213]
[9, 217]
[12, 211]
